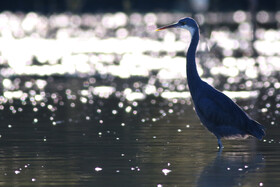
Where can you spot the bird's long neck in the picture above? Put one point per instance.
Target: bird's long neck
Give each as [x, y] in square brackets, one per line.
[192, 74]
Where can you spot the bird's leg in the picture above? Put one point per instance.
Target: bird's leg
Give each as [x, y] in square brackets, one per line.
[220, 145]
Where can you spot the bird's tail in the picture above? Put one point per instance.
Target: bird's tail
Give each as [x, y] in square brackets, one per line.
[256, 129]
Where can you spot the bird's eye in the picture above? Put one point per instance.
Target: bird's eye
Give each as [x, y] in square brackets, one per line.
[182, 22]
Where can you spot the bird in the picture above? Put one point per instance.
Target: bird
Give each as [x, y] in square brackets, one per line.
[216, 111]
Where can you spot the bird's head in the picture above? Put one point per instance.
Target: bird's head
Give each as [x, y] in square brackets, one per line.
[185, 23]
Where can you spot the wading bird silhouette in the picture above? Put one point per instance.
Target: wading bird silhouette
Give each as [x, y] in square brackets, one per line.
[217, 112]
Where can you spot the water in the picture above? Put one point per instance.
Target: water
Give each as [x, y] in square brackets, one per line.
[101, 100]
[124, 150]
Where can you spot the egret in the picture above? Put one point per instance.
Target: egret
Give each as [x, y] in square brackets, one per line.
[217, 112]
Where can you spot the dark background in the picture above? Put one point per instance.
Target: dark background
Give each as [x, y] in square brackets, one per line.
[49, 6]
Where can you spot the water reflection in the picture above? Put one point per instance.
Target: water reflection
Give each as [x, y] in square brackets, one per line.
[231, 169]
[119, 47]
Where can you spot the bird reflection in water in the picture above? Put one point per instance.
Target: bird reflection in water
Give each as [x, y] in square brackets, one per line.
[229, 169]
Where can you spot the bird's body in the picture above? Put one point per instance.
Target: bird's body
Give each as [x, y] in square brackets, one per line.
[217, 112]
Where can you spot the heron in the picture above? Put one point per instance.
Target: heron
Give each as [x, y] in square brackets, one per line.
[216, 111]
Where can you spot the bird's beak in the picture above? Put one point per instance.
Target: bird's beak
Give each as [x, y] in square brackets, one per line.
[168, 27]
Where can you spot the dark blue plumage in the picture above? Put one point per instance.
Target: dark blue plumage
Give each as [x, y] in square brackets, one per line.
[217, 112]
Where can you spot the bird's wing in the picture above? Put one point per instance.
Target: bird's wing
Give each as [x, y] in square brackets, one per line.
[221, 110]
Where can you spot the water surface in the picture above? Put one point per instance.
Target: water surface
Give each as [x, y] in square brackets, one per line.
[92, 101]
